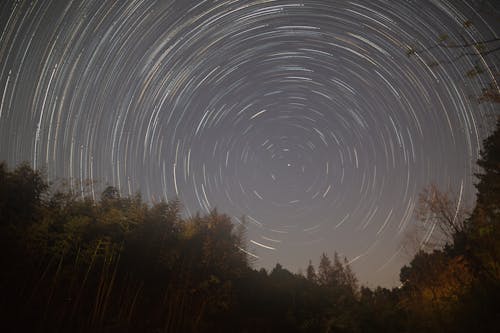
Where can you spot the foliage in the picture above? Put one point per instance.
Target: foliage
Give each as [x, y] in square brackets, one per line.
[480, 52]
[118, 264]
[457, 288]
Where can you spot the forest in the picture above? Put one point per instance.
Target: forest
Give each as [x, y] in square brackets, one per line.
[120, 264]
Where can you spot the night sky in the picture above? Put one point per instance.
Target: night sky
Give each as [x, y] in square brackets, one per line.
[307, 117]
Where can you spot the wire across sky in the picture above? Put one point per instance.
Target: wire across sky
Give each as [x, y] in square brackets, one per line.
[307, 117]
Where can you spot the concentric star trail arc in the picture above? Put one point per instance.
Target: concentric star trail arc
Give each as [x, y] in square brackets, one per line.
[307, 117]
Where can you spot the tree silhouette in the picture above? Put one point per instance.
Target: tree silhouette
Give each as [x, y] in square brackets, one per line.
[482, 53]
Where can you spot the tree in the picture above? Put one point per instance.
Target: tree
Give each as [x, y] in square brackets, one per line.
[350, 279]
[380, 311]
[311, 273]
[110, 193]
[21, 193]
[485, 220]
[480, 51]
[336, 276]
[457, 288]
[325, 270]
[433, 286]
[437, 209]
[488, 187]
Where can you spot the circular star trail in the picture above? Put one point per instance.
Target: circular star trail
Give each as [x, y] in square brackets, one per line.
[306, 117]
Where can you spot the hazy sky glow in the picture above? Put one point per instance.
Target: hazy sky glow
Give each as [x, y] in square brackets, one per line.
[306, 116]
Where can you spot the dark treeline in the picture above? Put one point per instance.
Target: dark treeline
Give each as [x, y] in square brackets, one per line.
[72, 264]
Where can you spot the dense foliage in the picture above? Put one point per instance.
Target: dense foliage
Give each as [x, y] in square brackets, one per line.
[456, 288]
[120, 265]
[72, 264]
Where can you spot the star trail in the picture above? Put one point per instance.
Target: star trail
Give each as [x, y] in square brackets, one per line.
[307, 117]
